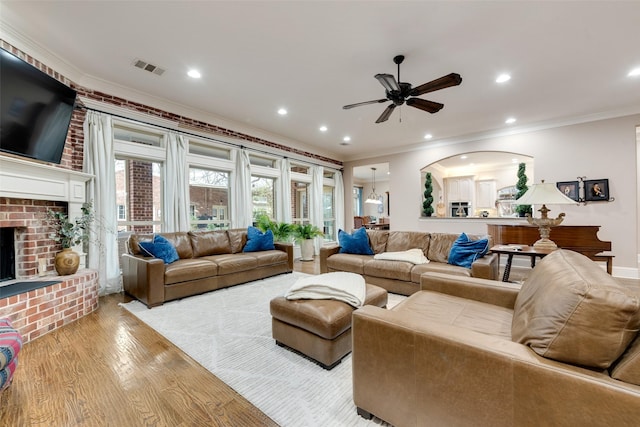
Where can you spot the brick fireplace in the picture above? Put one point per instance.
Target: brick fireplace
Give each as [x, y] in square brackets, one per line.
[27, 191]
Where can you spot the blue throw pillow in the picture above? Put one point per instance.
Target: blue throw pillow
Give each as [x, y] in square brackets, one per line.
[160, 248]
[258, 241]
[465, 251]
[356, 243]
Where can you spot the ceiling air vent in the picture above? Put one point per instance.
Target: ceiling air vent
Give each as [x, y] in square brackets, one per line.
[148, 67]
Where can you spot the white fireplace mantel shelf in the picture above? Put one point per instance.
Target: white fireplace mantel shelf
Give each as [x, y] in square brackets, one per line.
[25, 179]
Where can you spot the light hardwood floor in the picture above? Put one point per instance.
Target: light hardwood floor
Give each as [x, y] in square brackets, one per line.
[110, 369]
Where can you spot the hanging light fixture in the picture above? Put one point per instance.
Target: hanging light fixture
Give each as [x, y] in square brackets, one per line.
[373, 197]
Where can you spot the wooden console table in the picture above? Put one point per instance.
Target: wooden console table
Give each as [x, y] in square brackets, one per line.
[579, 238]
[521, 250]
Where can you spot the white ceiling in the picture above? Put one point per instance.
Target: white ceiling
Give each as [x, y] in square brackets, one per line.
[568, 60]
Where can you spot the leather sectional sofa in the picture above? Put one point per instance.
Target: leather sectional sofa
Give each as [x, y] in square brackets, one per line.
[403, 277]
[209, 260]
[561, 350]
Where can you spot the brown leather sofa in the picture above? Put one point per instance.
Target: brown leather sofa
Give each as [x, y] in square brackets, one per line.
[402, 277]
[562, 350]
[209, 260]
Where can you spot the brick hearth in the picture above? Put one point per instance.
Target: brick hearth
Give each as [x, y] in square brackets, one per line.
[39, 311]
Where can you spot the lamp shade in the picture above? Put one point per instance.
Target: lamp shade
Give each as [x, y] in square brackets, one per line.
[544, 193]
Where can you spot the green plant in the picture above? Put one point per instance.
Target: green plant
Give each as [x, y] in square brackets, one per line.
[282, 231]
[306, 231]
[70, 233]
[427, 207]
[522, 188]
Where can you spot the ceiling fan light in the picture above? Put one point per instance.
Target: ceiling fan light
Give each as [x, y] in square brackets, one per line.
[388, 82]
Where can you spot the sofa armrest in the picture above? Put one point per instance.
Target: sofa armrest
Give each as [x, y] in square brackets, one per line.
[288, 248]
[143, 278]
[439, 374]
[326, 252]
[487, 267]
[493, 292]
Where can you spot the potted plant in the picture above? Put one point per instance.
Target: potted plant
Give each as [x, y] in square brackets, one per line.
[69, 233]
[522, 188]
[305, 233]
[427, 205]
[282, 231]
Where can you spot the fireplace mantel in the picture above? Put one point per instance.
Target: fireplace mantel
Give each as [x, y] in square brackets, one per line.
[25, 179]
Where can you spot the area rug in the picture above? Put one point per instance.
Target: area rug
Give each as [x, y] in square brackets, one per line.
[228, 331]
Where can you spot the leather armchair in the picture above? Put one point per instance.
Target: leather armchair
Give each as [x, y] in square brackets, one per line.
[445, 357]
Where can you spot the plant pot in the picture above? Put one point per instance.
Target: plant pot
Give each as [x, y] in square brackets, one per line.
[67, 262]
[306, 250]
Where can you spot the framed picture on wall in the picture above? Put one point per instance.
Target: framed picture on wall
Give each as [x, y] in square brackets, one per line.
[569, 189]
[596, 190]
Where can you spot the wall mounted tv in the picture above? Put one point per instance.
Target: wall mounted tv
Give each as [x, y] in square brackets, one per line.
[35, 110]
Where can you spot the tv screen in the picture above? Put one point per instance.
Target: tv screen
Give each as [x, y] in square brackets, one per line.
[35, 110]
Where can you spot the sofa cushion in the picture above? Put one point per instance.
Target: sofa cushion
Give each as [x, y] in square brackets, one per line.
[398, 270]
[405, 240]
[348, 262]
[237, 239]
[257, 240]
[265, 258]
[160, 248]
[627, 368]
[184, 270]
[210, 242]
[437, 267]
[355, 243]
[378, 240]
[465, 251]
[440, 246]
[571, 310]
[234, 263]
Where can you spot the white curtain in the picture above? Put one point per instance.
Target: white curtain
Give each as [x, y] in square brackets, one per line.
[316, 216]
[242, 202]
[176, 200]
[339, 201]
[99, 160]
[283, 192]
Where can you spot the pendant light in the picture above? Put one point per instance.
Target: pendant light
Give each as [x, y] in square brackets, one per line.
[373, 197]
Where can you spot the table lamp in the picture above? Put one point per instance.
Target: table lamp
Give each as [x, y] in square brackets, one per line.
[541, 194]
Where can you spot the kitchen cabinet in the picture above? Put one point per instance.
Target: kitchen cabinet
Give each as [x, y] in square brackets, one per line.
[459, 189]
[486, 194]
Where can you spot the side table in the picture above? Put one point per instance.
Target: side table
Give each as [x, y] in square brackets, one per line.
[521, 250]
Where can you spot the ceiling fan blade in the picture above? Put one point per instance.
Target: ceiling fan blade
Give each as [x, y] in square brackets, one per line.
[377, 101]
[449, 80]
[423, 104]
[388, 81]
[386, 113]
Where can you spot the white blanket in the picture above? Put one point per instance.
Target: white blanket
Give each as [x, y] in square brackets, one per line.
[347, 287]
[414, 256]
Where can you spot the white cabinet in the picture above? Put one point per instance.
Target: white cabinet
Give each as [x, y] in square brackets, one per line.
[459, 189]
[486, 194]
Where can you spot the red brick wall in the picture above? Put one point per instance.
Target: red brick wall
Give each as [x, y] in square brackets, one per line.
[37, 312]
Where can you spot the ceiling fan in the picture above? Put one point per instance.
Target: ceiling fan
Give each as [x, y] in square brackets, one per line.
[400, 92]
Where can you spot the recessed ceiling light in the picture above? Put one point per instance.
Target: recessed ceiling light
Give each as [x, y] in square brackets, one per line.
[194, 74]
[510, 120]
[346, 139]
[503, 78]
[282, 112]
[634, 73]
[463, 157]
[514, 160]
[323, 128]
[428, 136]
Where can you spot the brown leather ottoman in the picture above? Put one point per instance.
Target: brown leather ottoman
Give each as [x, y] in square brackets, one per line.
[319, 329]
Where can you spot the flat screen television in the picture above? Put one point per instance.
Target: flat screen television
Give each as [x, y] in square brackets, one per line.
[35, 110]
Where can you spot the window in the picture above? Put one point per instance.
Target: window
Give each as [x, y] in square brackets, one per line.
[329, 216]
[262, 193]
[299, 202]
[209, 199]
[138, 195]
